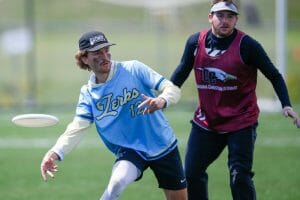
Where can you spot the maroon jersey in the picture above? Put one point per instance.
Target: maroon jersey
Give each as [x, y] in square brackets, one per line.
[226, 89]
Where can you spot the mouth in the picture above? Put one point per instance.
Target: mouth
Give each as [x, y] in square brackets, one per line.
[225, 27]
[104, 62]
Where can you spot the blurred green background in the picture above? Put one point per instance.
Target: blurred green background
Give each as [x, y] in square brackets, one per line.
[47, 77]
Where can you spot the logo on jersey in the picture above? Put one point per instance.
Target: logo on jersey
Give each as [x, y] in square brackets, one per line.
[109, 105]
[211, 75]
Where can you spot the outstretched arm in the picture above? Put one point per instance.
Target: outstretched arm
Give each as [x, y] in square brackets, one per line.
[254, 54]
[65, 143]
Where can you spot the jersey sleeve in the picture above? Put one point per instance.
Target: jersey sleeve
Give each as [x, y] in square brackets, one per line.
[170, 92]
[148, 76]
[72, 136]
[84, 106]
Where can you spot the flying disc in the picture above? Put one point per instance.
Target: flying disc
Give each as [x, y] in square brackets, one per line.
[35, 120]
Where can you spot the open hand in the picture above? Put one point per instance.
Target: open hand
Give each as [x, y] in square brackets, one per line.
[289, 112]
[48, 166]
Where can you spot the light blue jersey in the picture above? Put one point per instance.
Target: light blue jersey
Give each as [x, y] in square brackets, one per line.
[113, 107]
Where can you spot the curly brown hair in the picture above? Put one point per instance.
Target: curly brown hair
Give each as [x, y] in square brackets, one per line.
[79, 62]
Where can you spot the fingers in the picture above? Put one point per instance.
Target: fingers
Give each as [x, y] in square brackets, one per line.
[295, 117]
[48, 168]
[289, 112]
[152, 104]
[50, 173]
[44, 176]
[146, 102]
[285, 113]
[45, 173]
[297, 122]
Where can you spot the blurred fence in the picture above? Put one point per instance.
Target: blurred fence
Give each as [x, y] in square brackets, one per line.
[40, 71]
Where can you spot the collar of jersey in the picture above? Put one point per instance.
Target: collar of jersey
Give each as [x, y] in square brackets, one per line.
[112, 72]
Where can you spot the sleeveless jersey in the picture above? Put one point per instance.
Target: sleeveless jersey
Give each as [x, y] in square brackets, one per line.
[226, 89]
[113, 107]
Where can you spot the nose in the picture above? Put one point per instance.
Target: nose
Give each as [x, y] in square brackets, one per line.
[225, 19]
[105, 55]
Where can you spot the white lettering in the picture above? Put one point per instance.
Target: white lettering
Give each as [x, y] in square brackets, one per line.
[217, 88]
[110, 106]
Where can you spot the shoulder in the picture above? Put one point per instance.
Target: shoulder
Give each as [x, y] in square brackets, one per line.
[192, 42]
[130, 64]
[84, 88]
[85, 94]
[133, 66]
[248, 41]
[193, 38]
[252, 51]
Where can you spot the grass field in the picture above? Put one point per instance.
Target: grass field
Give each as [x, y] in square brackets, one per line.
[85, 172]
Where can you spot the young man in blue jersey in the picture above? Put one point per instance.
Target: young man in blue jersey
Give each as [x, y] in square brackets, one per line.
[119, 99]
[225, 62]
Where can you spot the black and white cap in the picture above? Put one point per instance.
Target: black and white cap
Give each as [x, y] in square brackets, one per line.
[226, 6]
[93, 41]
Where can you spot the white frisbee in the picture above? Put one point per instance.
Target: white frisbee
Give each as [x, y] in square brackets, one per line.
[35, 120]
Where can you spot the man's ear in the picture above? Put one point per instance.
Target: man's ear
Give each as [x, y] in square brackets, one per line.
[84, 59]
[210, 16]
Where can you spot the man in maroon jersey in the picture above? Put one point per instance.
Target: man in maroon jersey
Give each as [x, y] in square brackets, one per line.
[225, 62]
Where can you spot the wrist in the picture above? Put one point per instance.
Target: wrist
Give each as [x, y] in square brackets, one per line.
[53, 154]
[286, 109]
[164, 102]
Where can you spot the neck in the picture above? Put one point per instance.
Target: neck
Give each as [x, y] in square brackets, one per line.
[104, 76]
[101, 78]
